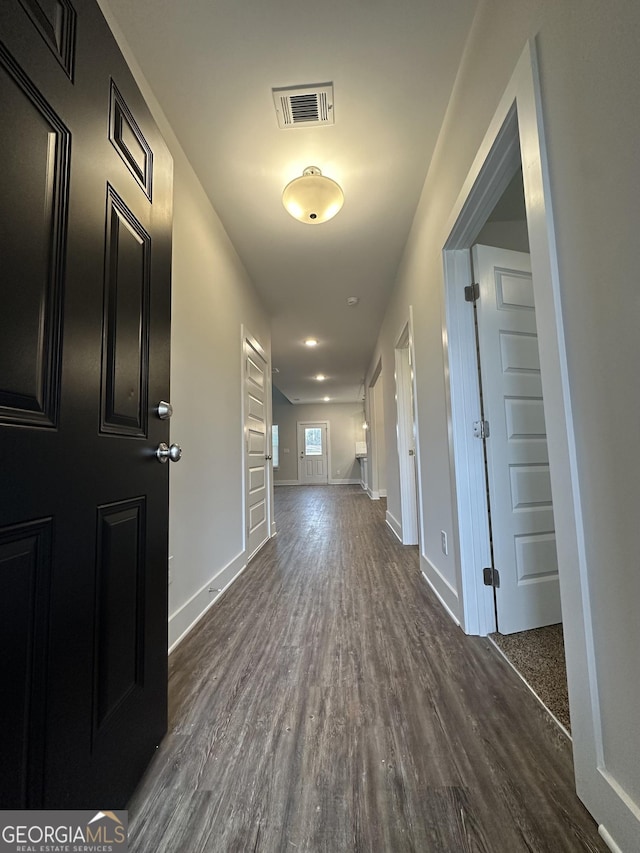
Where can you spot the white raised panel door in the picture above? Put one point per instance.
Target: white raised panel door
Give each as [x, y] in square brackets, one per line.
[524, 542]
[312, 454]
[255, 428]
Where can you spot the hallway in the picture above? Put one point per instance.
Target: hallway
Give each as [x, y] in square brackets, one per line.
[327, 703]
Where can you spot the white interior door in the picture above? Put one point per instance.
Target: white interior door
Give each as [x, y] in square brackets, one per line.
[406, 443]
[523, 532]
[313, 465]
[255, 430]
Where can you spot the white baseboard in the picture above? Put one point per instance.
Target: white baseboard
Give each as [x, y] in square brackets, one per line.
[344, 482]
[394, 524]
[286, 482]
[608, 840]
[383, 493]
[436, 580]
[374, 495]
[186, 617]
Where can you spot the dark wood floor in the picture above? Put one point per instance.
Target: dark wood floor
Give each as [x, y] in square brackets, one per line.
[327, 703]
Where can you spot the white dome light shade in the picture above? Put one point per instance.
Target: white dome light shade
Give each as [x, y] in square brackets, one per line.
[312, 198]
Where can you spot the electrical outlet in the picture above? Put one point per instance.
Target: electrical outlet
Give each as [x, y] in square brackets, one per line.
[170, 570]
[443, 542]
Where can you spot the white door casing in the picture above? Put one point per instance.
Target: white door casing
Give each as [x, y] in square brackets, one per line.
[313, 453]
[255, 446]
[524, 542]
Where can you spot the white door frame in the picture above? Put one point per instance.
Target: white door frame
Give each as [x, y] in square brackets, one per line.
[517, 127]
[406, 434]
[326, 425]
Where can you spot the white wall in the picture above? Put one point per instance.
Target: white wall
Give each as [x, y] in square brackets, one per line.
[345, 428]
[212, 298]
[590, 86]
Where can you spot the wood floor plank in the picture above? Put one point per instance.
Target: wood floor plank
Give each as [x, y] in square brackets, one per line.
[327, 703]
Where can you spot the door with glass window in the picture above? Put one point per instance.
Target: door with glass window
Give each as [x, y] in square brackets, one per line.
[313, 453]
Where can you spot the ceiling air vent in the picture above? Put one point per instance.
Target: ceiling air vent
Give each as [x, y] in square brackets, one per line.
[304, 106]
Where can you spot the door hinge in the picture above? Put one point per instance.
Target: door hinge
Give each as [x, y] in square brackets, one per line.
[491, 577]
[472, 293]
[481, 429]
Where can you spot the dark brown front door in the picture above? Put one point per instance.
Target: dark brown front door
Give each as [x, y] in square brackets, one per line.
[85, 255]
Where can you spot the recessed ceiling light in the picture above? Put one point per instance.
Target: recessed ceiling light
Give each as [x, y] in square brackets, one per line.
[311, 342]
[326, 399]
[321, 377]
[352, 300]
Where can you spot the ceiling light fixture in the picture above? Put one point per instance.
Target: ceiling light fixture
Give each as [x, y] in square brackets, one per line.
[326, 399]
[311, 342]
[321, 377]
[312, 198]
[352, 300]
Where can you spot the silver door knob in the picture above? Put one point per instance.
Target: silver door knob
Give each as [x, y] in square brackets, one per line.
[165, 410]
[268, 457]
[165, 452]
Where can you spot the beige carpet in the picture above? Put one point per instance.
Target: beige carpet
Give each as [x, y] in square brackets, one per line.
[538, 656]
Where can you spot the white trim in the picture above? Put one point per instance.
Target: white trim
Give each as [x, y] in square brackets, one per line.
[187, 616]
[603, 832]
[374, 494]
[439, 597]
[395, 525]
[286, 483]
[382, 493]
[347, 482]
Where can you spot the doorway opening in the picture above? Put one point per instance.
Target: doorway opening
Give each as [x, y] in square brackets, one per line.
[497, 391]
[520, 507]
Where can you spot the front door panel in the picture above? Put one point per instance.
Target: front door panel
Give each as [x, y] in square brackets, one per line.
[312, 453]
[84, 336]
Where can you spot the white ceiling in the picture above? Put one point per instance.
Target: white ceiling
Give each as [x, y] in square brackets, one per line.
[212, 65]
